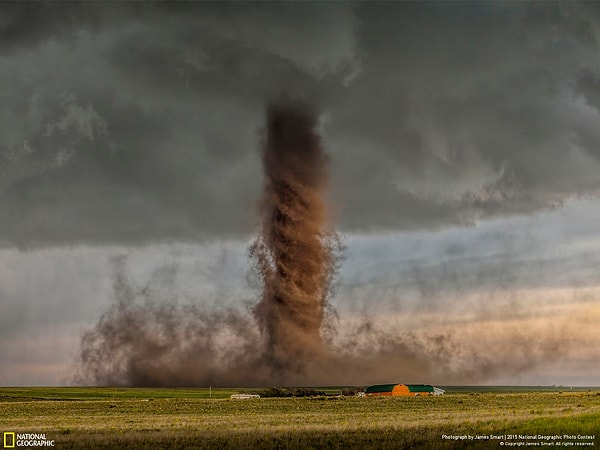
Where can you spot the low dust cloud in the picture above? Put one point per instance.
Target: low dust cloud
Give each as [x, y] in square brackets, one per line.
[145, 339]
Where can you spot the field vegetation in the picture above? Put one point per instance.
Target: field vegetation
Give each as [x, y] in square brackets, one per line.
[107, 418]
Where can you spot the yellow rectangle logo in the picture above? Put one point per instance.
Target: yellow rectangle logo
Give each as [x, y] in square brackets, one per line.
[6, 440]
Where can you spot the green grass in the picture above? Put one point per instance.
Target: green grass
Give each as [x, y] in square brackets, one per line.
[103, 393]
[108, 418]
[517, 389]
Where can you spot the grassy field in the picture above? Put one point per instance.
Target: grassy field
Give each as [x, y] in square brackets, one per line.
[107, 418]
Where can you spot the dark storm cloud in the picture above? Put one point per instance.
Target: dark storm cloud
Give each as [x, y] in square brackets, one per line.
[137, 122]
[141, 122]
[469, 111]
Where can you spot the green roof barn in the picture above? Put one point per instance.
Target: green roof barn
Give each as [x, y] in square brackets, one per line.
[395, 390]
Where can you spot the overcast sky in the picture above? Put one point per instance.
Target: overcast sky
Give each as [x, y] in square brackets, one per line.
[465, 159]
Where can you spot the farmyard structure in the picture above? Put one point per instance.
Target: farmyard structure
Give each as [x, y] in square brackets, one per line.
[395, 390]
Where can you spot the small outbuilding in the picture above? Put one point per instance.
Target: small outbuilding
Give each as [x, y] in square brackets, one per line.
[396, 390]
[244, 396]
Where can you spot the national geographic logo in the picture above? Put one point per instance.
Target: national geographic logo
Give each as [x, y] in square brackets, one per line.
[12, 440]
[9, 440]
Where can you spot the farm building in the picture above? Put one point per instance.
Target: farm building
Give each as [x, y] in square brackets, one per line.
[244, 396]
[394, 390]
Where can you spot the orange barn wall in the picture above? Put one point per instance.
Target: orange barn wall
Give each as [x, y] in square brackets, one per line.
[400, 390]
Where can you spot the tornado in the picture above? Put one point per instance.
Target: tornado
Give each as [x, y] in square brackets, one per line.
[290, 336]
[294, 252]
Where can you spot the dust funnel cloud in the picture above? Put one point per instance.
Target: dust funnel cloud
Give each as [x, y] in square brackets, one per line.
[294, 253]
[290, 334]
